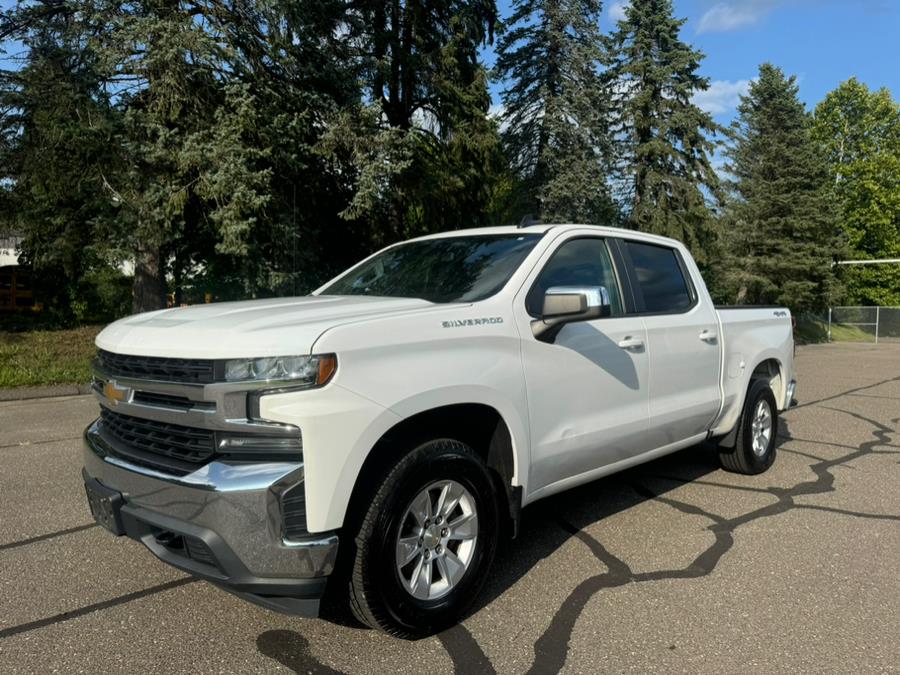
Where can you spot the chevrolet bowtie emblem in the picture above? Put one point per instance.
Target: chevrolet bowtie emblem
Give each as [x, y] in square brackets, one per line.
[115, 392]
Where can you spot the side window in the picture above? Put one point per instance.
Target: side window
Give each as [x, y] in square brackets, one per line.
[578, 262]
[660, 278]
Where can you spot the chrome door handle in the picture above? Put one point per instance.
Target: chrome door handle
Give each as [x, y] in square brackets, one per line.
[709, 336]
[631, 343]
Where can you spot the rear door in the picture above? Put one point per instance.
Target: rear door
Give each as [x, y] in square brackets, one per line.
[587, 391]
[682, 341]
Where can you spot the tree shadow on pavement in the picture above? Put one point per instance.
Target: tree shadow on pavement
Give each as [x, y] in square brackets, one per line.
[551, 522]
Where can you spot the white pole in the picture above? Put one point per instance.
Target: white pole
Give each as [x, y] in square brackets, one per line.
[883, 261]
[877, 318]
[829, 324]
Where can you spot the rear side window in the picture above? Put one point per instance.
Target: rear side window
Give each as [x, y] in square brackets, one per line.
[660, 278]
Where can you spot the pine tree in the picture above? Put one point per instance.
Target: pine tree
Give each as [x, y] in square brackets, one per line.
[299, 63]
[667, 175]
[187, 174]
[57, 136]
[859, 132]
[781, 223]
[421, 145]
[554, 109]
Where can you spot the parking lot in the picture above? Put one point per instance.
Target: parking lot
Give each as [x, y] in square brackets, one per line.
[673, 566]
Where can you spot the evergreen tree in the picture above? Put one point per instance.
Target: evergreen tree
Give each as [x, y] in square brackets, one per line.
[187, 174]
[57, 137]
[664, 138]
[781, 223]
[859, 131]
[423, 151]
[301, 65]
[554, 109]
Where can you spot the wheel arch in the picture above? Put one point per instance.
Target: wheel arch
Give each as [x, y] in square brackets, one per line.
[768, 367]
[771, 369]
[479, 425]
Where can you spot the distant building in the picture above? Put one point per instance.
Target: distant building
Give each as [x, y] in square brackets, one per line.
[9, 242]
[15, 280]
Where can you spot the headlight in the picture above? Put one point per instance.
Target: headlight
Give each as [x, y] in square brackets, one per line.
[309, 371]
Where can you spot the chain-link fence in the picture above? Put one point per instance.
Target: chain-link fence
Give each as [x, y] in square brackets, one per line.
[864, 324]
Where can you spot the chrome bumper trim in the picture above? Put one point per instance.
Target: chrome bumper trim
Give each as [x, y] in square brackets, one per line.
[226, 404]
[240, 502]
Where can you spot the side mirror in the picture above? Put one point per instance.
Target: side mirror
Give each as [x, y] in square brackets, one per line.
[569, 304]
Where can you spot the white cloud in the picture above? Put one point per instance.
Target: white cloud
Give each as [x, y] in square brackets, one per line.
[617, 10]
[734, 14]
[722, 96]
[726, 15]
[497, 112]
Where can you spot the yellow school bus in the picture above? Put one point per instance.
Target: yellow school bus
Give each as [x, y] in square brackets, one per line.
[16, 293]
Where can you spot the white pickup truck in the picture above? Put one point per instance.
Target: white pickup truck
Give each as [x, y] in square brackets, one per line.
[386, 430]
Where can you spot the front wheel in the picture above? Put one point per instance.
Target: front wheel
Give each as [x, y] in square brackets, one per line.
[754, 451]
[426, 542]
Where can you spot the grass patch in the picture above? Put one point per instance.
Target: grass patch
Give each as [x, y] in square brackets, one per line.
[45, 357]
[811, 331]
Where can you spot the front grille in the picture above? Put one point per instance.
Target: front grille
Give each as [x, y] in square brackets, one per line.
[153, 398]
[191, 371]
[160, 445]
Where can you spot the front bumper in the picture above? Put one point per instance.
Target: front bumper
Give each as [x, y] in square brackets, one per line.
[222, 523]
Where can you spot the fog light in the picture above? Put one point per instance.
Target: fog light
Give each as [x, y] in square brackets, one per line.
[287, 445]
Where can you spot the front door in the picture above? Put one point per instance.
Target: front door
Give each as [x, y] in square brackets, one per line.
[587, 391]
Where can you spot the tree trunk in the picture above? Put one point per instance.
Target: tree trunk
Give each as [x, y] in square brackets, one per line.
[177, 278]
[149, 288]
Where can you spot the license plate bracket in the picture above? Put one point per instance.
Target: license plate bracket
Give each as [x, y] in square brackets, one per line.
[106, 506]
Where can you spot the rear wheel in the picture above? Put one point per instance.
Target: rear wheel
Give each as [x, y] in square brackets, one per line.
[426, 541]
[754, 450]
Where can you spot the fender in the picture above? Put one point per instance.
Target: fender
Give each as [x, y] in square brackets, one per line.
[462, 394]
[729, 422]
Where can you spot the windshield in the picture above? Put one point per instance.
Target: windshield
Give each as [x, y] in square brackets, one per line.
[450, 269]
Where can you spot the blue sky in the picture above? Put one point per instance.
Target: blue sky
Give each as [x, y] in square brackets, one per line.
[822, 42]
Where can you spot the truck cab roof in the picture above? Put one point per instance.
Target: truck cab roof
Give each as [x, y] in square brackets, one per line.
[542, 228]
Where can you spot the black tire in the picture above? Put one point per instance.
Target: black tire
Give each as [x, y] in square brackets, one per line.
[742, 458]
[377, 595]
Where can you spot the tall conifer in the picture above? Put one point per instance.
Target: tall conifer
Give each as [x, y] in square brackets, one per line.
[666, 170]
[781, 222]
[555, 122]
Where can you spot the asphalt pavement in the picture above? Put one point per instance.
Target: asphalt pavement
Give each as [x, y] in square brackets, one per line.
[675, 566]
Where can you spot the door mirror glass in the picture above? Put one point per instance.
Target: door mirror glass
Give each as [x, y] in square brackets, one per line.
[569, 304]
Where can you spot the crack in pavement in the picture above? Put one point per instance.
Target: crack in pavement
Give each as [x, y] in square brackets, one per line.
[28, 444]
[849, 392]
[96, 607]
[551, 649]
[44, 537]
[291, 649]
[464, 650]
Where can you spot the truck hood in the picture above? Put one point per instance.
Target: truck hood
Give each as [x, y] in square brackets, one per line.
[274, 327]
